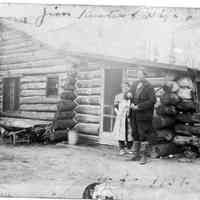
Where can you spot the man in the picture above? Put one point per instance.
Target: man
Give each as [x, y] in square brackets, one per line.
[142, 107]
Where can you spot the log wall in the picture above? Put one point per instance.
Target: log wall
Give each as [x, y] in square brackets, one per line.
[32, 62]
[88, 89]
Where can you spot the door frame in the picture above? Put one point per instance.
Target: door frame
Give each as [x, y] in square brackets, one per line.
[104, 137]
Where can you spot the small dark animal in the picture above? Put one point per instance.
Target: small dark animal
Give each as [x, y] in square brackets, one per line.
[89, 190]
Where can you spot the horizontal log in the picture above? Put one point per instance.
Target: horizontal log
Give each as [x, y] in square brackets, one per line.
[38, 107]
[64, 115]
[39, 100]
[185, 140]
[34, 85]
[30, 115]
[66, 105]
[35, 63]
[26, 57]
[87, 128]
[18, 40]
[167, 135]
[182, 129]
[68, 95]
[88, 100]
[21, 49]
[187, 118]
[7, 46]
[89, 67]
[195, 130]
[154, 81]
[31, 71]
[93, 83]
[68, 87]
[20, 123]
[12, 35]
[132, 73]
[31, 79]
[88, 91]
[170, 99]
[63, 124]
[26, 93]
[87, 118]
[166, 110]
[162, 122]
[89, 75]
[88, 109]
[15, 36]
[186, 106]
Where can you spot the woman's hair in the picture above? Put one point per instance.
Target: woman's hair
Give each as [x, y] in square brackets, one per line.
[127, 95]
[125, 83]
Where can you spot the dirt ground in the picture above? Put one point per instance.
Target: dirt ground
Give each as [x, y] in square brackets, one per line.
[64, 171]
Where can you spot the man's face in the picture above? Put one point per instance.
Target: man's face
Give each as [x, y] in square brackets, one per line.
[140, 75]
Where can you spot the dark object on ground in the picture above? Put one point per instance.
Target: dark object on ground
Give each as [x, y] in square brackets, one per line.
[89, 190]
[57, 136]
[161, 150]
[63, 124]
[37, 133]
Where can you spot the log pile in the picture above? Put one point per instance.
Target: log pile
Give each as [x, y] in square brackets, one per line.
[176, 122]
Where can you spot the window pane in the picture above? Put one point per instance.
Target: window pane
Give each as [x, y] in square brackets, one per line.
[52, 86]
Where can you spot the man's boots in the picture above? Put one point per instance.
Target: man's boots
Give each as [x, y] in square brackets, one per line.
[144, 152]
[136, 151]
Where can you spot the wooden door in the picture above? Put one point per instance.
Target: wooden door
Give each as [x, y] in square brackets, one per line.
[10, 94]
[112, 87]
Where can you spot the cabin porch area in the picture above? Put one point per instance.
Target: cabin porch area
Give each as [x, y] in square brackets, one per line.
[64, 171]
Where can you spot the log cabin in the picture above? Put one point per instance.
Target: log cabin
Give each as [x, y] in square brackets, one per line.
[40, 85]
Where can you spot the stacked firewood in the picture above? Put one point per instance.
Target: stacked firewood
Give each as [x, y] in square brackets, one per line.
[177, 127]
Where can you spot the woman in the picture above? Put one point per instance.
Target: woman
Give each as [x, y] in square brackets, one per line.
[122, 129]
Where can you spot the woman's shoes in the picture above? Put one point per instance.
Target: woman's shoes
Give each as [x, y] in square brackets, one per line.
[129, 151]
[122, 152]
[125, 151]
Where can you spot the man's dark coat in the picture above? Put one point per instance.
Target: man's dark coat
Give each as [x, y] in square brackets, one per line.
[144, 99]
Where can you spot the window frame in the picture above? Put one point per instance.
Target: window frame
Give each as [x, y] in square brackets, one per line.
[47, 86]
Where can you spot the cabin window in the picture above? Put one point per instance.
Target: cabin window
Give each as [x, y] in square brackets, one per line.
[52, 86]
[11, 94]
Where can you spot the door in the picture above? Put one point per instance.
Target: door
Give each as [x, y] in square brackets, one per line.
[112, 87]
[10, 94]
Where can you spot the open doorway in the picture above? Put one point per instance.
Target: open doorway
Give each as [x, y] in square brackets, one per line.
[112, 87]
